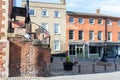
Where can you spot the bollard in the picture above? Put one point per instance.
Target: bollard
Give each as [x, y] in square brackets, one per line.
[61, 59]
[114, 60]
[93, 67]
[115, 67]
[105, 67]
[79, 68]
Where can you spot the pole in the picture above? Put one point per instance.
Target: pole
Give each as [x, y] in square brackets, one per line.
[28, 21]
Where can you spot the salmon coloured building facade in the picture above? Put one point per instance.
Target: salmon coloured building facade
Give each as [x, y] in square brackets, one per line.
[91, 34]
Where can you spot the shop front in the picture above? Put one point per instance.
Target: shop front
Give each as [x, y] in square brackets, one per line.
[94, 50]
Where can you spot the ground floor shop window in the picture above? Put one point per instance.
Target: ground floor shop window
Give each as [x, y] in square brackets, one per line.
[93, 50]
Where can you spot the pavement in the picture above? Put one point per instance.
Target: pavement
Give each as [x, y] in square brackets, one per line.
[86, 73]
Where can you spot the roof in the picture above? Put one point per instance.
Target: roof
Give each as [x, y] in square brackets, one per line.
[89, 14]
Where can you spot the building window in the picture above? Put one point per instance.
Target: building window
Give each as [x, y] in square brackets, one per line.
[71, 19]
[45, 26]
[119, 23]
[99, 35]
[119, 36]
[71, 34]
[81, 20]
[80, 35]
[44, 13]
[72, 49]
[99, 21]
[56, 28]
[91, 21]
[31, 12]
[109, 22]
[91, 35]
[56, 14]
[109, 36]
[93, 50]
[56, 45]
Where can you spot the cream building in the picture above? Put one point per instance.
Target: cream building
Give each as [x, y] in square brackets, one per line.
[51, 16]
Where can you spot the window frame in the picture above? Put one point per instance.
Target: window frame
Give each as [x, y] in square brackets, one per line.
[80, 20]
[79, 35]
[109, 22]
[45, 26]
[118, 22]
[54, 45]
[109, 38]
[44, 13]
[101, 33]
[72, 35]
[72, 19]
[101, 22]
[33, 12]
[57, 14]
[90, 35]
[58, 26]
[118, 36]
[92, 20]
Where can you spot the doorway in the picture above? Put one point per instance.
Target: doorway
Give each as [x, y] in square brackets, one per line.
[79, 51]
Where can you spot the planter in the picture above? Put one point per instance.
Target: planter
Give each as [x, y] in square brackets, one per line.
[68, 66]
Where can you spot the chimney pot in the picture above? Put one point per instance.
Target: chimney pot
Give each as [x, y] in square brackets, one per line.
[98, 11]
[63, 2]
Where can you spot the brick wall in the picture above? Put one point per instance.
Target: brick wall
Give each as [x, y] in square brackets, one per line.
[27, 59]
[4, 58]
[4, 44]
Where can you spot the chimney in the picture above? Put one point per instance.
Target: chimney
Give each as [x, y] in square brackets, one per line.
[98, 11]
[63, 2]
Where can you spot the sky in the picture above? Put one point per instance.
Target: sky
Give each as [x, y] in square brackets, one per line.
[107, 7]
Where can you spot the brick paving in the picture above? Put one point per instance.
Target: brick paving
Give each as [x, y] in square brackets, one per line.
[86, 69]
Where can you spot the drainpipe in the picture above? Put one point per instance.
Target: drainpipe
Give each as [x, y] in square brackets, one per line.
[105, 29]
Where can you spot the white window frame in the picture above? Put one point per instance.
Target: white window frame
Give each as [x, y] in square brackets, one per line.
[101, 21]
[58, 26]
[109, 22]
[101, 35]
[82, 35]
[118, 22]
[72, 20]
[56, 14]
[110, 36]
[90, 35]
[44, 25]
[55, 48]
[118, 36]
[73, 34]
[82, 20]
[45, 13]
[92, 20]
[32, 12]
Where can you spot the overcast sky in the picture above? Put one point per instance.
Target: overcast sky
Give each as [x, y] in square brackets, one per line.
[109, 7]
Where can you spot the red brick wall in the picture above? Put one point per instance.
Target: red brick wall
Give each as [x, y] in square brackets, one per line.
[86, 27]
[3, 43]
[2, 53]
[1, 17]
[27, 59]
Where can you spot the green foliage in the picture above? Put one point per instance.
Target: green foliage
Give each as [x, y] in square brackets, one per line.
[68, 59]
